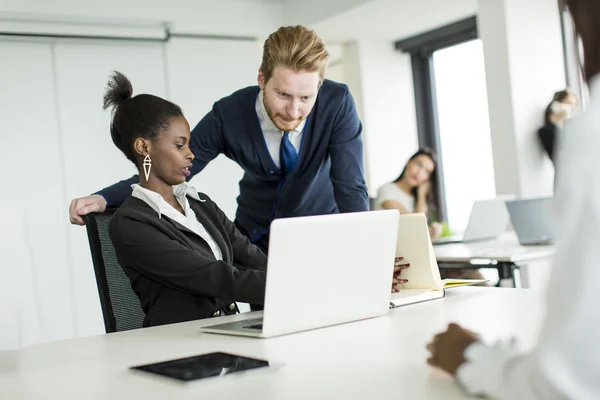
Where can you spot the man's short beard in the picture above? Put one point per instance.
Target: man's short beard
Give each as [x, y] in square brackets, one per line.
[272, 117]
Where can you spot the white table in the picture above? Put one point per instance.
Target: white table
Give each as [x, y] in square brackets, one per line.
[504, 254]
[381, 358]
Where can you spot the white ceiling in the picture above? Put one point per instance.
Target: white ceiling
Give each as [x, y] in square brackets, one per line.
[391, 19]
[306, 12]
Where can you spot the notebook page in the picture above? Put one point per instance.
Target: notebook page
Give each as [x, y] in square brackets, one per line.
[415, 246]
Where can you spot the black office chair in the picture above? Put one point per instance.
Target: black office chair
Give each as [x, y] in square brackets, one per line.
[371, 203]
[120, 305]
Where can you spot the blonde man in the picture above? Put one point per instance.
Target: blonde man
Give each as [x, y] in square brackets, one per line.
[296, 135]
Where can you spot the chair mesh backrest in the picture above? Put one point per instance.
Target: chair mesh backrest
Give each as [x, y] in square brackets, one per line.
[120, 305]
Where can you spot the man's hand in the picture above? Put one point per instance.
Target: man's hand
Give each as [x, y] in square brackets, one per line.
[85, 205]
[399, 266]
[447, 348]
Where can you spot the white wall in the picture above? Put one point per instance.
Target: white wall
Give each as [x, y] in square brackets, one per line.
[57, 146]
[390, 129]
[380, 80]
[35, 269]
[224, 17]
[524, 67]
[226, 66]
[336, 72]
[335, 69]
[350, 63]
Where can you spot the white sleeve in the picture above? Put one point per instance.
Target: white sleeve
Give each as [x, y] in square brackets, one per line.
[385, 193]
[565, 364]
[504, 374]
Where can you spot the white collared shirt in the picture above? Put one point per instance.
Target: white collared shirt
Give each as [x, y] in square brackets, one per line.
[189, 220]
[566, 361]
[272, 134]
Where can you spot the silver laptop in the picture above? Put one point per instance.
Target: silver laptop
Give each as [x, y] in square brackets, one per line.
[322, 271]
[532, 220]
[489, 219]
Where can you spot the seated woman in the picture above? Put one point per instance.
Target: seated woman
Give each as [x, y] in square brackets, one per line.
[184, 258]
[412, 192]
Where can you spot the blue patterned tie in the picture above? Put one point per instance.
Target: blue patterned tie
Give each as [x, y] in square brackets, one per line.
[288, 157]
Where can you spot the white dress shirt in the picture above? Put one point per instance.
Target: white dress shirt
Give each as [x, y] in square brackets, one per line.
[566, 361]
[189, 220]
[272, 134]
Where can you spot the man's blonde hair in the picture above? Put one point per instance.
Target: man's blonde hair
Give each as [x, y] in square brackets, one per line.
[295, 47]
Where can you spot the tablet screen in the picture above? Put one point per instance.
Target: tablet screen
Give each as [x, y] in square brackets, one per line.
[203, 366]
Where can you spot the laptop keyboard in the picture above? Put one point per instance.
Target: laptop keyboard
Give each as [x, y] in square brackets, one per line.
[256, 326]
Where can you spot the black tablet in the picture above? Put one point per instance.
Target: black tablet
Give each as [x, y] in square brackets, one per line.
[203, 366]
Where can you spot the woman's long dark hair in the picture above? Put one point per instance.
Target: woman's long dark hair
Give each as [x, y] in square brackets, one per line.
[559, 97]
[433, 190]
[586, 19]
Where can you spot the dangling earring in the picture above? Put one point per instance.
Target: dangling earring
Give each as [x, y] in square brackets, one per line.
[147, 166]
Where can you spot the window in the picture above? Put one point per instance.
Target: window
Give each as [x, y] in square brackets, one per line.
[464, 129]
[452, 115]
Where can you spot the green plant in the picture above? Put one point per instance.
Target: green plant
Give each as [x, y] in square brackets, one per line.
[446, 229]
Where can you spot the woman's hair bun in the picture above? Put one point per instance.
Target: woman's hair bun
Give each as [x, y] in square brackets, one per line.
[118, 90]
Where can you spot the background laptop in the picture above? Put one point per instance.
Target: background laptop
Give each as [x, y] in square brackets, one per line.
[324, 270]
[532, 220]
[489, 219]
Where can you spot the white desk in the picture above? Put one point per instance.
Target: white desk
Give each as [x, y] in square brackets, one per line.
[505, 254]
[381, 358]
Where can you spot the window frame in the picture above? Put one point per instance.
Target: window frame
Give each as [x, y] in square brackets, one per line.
[421, 48]
[573, 57]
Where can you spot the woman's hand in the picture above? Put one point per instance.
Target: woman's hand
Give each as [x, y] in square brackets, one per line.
[399, 266]
[423, 190]
[448, 348]
[435, 230]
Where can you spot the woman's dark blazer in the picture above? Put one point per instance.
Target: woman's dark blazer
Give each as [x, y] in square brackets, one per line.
[173, 270]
